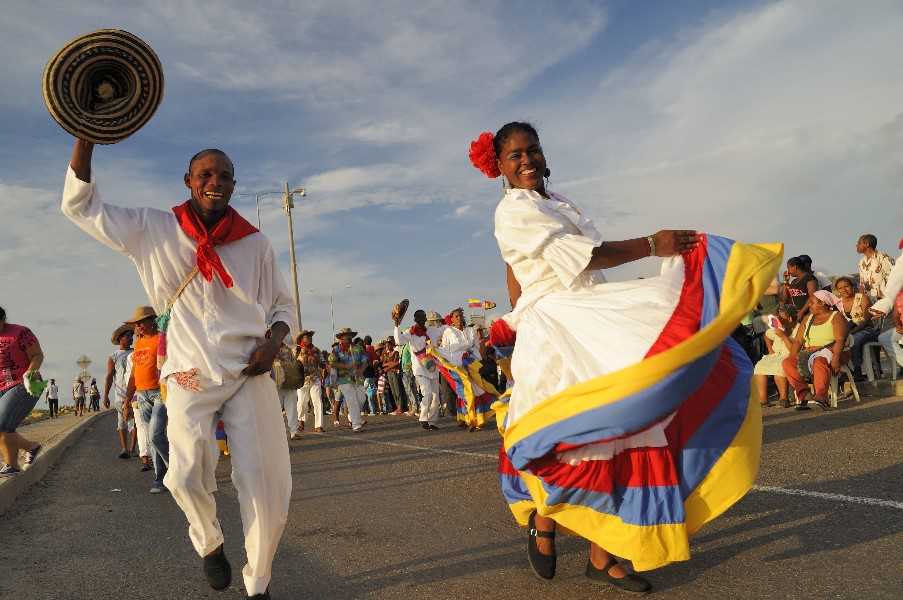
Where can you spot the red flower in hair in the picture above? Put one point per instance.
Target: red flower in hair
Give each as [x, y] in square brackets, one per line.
[482, 155]
[501, 334]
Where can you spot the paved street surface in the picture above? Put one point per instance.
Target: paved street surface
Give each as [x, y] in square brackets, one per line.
[398, 512]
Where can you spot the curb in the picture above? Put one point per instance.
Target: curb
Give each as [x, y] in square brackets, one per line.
[52, 451]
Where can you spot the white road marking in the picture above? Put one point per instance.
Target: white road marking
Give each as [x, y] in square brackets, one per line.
[756, 488]
[834, 497]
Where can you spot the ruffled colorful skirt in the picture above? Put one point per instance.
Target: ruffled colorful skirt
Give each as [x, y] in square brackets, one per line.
[631, 422]
[475, 395]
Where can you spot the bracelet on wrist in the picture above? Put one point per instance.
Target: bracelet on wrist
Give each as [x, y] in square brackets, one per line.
[651, 240]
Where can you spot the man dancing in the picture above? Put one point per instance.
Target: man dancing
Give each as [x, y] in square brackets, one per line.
[425, 371]
[216, 354]
[349, 362]
[309, 396]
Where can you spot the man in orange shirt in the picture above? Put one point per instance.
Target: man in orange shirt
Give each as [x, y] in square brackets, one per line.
[145, 381]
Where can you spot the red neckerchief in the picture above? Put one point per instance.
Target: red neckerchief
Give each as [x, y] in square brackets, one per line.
[418, 330]
[230, 228]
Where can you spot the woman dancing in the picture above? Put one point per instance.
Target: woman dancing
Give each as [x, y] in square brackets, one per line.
[630, 422]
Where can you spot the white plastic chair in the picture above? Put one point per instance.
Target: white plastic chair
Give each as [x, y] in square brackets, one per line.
[868, 361]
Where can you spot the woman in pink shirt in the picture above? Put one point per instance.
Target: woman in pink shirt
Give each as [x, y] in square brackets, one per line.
[20, 353]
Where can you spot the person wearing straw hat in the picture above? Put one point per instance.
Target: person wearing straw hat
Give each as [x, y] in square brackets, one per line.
[419, 336]
[309, 395]
[215, 282]
[144, 384]
[349, 361]
[118, 379]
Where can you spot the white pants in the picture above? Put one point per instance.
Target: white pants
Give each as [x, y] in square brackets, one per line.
[144, 441]
[309, 397]
[353, 394]
[261, 471]
[289, 401]
[893, 345]
[122, 424]
[429, 403]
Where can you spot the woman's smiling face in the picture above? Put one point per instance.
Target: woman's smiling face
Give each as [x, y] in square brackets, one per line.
[522, 162]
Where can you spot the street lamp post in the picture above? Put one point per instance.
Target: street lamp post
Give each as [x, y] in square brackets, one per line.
[287, 205]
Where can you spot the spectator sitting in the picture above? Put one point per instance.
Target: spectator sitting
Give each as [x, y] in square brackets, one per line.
[892, 339]
[799, 283]
[855, 307]
[778, 342]
[816, 350]
[824, 282]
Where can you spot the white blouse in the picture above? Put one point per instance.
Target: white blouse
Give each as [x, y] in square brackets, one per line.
[213, 328]
[456, 342]
[548, 243]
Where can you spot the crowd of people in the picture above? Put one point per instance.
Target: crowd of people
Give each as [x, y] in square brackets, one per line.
[819, 326]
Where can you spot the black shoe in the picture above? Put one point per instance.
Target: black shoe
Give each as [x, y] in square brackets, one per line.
[629, 583]
[218, 570]
[124, 455]
[542, 564]
[425, 425]
[432, 427]
[263, 596]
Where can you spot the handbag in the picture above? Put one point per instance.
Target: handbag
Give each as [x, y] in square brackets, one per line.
[163, 325]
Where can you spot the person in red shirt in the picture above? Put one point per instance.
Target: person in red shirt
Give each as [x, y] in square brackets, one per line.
[20, 355]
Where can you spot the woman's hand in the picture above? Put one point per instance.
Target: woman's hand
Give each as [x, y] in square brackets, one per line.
[671, 242]
[835, 363]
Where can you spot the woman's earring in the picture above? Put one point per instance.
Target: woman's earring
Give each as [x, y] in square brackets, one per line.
[547, 174]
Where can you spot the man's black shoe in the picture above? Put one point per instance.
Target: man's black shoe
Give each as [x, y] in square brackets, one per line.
[263, 596]
[218, 570]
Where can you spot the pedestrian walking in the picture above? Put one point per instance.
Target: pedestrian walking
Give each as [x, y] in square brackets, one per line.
[20, 358]
[117, 380]
[53, 399]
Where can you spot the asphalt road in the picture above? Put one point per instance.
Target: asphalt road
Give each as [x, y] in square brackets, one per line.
[398, 512]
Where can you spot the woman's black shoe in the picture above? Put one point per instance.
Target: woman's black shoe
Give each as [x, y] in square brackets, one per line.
[543, 564]
[629, 583]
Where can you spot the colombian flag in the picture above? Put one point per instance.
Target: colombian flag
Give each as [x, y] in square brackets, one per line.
[644, 503]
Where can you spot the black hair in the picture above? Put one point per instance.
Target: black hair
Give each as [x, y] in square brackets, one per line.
[807, 262]
[2, 314]
[368, 340]
[507, 130]
[205, 152]
[870, 240]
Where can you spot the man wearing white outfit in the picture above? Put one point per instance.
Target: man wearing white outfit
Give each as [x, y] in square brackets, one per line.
[309, 395]
[215, 277]
[349, 362]
[425, 370]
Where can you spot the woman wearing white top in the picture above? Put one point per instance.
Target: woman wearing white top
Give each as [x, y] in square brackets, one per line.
[572, 328]
[778, 342]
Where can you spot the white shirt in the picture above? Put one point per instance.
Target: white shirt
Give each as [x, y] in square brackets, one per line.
[457, 342]
[547, 242]
[121, 371]
[893, 287]
[53, 392]
[213, 328]
[418, 344]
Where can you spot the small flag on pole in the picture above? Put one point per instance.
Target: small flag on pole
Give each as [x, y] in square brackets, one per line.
[474, 303]
[488, 304]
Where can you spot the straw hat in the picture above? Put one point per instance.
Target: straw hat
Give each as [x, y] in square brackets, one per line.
[141, 313]
[345, 331]
[433, 316]
[103, 86]
[119, 331]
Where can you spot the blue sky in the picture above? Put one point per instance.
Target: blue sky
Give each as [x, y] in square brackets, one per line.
[757, 120]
